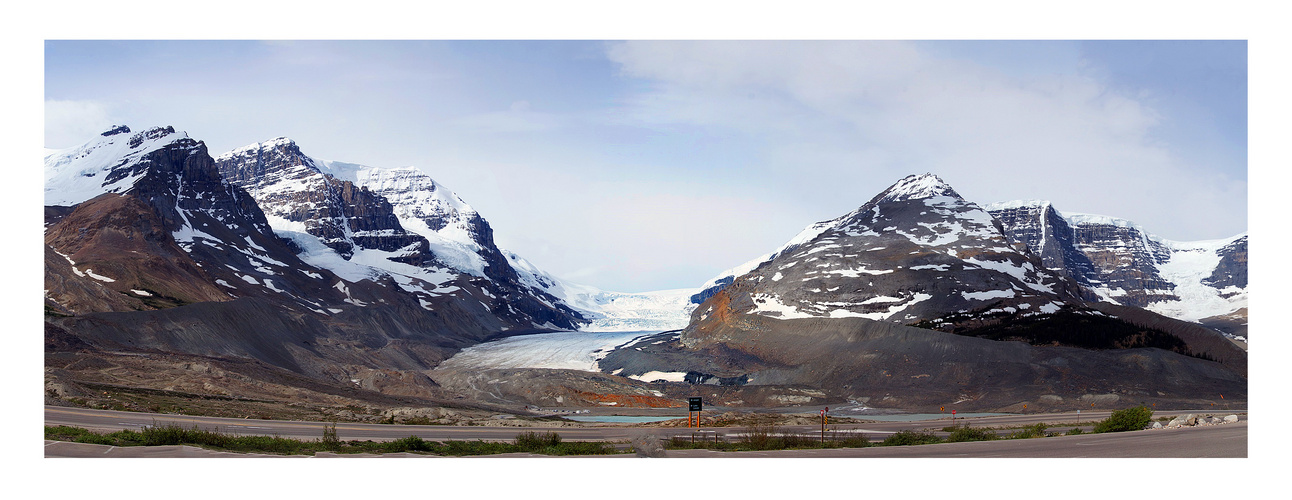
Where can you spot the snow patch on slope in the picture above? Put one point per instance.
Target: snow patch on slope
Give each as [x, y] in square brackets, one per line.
[79, 173]
[1189, 265]
[415, 197]
[365, 264]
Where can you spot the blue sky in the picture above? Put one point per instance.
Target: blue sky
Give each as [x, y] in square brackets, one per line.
[641, 165]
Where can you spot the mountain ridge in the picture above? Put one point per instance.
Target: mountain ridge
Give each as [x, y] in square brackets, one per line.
[364, 227]
[1120, 262]
[163, 248]
[917, 297]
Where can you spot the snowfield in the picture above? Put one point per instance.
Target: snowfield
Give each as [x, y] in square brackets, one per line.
[612, 311]
[79, 173]
[561, 350]
[1190, 264]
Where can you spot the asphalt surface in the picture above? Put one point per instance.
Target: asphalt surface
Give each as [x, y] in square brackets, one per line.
[1227, 440]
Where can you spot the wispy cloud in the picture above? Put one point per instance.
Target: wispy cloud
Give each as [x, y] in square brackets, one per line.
[518, 118]
[71, 122]
[848, 116]
[655, 164]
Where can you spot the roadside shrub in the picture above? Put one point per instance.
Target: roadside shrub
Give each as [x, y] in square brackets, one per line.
[1129, 419]
[966, 433]
[760, 436]
[1031, 431]
[172, 434]
[533, 441]
[581, 448]
[1074, 431]
[908, 438]
[410, 443]
[797, 440]
[78, 435]
[854, 441]
[478, 447]
[330, 440]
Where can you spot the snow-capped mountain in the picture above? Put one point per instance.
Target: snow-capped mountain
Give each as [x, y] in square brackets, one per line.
[456, 239]
[1113, 260]
[149, 248]
[457, 234]
[111, 163]
[1122, 263]
[726, 277]
[154, 220]
[917, 251]
[397, 223]
[920, 297]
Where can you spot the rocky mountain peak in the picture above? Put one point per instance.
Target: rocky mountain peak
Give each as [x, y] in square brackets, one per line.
[153, 134]
[278, 158]
[914, 187]
[116, 129]
[396, 223]
[917, 252]
[1118, 261]
[111, 163]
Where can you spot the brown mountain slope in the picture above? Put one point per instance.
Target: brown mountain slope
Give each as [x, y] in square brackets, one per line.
[121, 239]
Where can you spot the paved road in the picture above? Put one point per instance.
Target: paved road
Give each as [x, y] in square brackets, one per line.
[1207, 441]
[108, 420]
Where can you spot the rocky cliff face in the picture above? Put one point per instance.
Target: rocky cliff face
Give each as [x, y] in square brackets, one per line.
[924, 297]
[1047, 235]
[918, 251]
[396, 223]
[176, 233]
[1119, 262]
[1232, 269]
[150, 249]
[1126, 260]
[343, 216]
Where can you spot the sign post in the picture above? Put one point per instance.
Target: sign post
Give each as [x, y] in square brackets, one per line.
[823, 420]
[696, 406]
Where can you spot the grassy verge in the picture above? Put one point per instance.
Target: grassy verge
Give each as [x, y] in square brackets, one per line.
[545, 444]
[761, 437]
[770, 437]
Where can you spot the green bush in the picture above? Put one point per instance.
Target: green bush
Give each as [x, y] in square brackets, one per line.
[478, 447]
[330, 440]
[794, 440]
[548, 443]
[1031, 431]
[858, 441]
[532, 441]
[966, 433]
[410, 443]
[908, 438]
[761, 436]
[581, 448]
[1129, 419]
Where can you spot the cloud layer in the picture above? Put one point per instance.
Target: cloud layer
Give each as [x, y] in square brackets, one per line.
[640, 165]
[838, 116]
